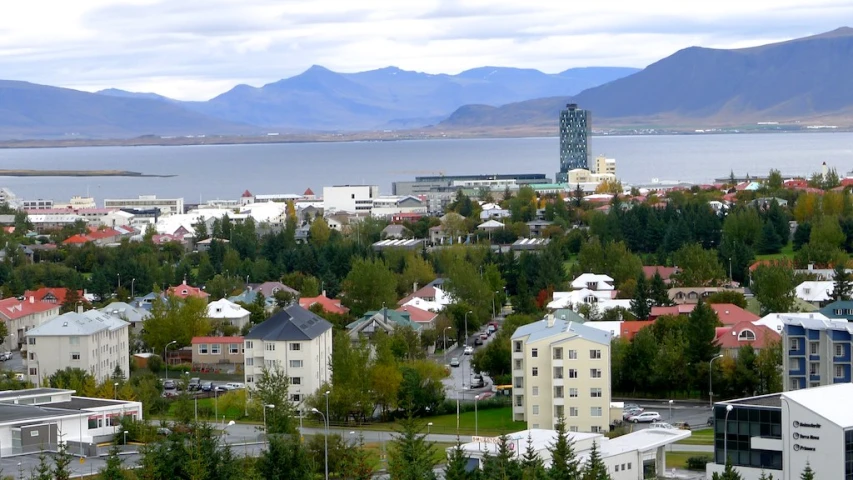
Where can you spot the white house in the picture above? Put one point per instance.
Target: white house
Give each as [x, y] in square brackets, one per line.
[93, 341]
[228, 312]
[774, 321]
[593, 281]
[815, 292]
[296, 341]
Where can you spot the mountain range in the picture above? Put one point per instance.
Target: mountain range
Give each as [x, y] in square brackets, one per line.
[810, 78]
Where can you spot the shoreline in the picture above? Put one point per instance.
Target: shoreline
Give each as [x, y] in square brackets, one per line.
[78, 173]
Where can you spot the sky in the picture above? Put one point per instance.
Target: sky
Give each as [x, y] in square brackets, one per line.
[197, 49]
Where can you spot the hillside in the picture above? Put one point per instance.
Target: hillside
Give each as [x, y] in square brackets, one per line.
[801, 79]
[29, 110]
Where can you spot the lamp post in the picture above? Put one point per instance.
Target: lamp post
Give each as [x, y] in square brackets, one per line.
[327, 411]
[115, 391]
[326, 439]
[670, 410]
[165, 354]
[466, 325]
[125, 436]
[265, 418]
[476, 417]
[444, 333]
[493, 305]
[711, 380]
[726, 434]
[118, 282]
[429, 425]
[731, 280]
[132, 282]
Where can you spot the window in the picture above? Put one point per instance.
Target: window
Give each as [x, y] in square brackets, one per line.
[573, 428]
[535, 409]
[839, 350]
[202, 349]
[518, 401]
[813, 348]
[559, 411]
[839, 371]
[595, 392]
[573, 354]
[517, 348]
[270, 347]
[814, 368]
[34, 371]
[31, 340]
[747, 335]
[296, 364]
[535, 371]
[233, 348]
[623, 466]
[296, 380]
[534, 352]
[249, 344]
[814, 384]
[250, 362]
[629, 465]
[216, 349]
[558, 353]
[573, 412]
[518, 365]
[558, 392]
[295, 347]
[573, 393]
[573, 373]
[558, 373]
[75, 356]
[534, 391]
[519, 382]
[595, 373]
[616, 467]
[250, 379]
[795, 384]
[74, 340]
[597, 429]
[795, 344]
[595, 354]
[595, 411]
[296, 398]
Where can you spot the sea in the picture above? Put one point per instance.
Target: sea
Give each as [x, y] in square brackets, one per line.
[203, 173]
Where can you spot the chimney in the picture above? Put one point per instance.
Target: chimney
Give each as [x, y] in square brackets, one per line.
[323, 293]
[550, 319]
[32, 299]
[80, 308]
[414, 287]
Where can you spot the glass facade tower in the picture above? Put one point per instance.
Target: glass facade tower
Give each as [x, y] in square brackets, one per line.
[575, 131]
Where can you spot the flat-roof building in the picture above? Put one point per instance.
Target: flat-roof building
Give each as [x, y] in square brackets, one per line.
[452, 183]
[145, 202]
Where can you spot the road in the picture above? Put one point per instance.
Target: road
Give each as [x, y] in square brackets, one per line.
[696, 415]
[458, 384]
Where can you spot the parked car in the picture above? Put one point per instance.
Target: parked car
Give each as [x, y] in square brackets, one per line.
[207, 387]
[5, 356]
[681, 425]
[195, 384]
[485, 395]
[477, 381]
[454, 362]
[484, 336]
[491, 329]
[163, 431]
[631, 411]
[663, 425]
[235, 385]
[469, 350]
[478, 341]
[631, 406]
[170, 385]
[645, 417]
[711, 421]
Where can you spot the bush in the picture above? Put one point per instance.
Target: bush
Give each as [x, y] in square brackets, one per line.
[697, 463]
[155, 363]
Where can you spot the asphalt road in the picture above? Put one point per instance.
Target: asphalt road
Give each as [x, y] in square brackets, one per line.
[458, 384]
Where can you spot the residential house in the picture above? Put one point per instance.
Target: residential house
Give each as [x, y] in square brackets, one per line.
[817, 293]
[682, 295]
[424, 318]
[145, 302]
[228, 313]
[537, 227]
[728, 313]
[385, 320]
[593, 281]
[204, 245]
[21, 315]
[630, 329]
[775, 322]
[329, 305]
[561, 369]
[490, 226]
[395, 232]
[296, 341]
[839, 309]
[494, 213]
[183, 291]
[665, 272]
[52, 295]
[733, 337]
[135, 316]
[439, 236]
[432, 293]
[92, 341]
[211, 353]
[816, 352]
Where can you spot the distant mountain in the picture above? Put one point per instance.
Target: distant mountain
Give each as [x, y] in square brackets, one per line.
[29, 110]
[804, 78]
[115, 92]
[320, 99]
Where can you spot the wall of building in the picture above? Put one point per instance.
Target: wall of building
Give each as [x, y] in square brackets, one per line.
[315, 368]
[98, 354]
[807, 437]
[349, 198]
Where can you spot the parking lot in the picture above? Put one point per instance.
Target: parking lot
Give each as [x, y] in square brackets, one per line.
[695, 415]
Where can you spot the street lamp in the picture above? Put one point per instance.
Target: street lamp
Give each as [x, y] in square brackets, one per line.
[115, 391]
[466, 326]
[118, 283]
[326, 439]
[132, 282]
[265, 417]
[670, 410]
[476, 418]
[711, 380]
[444, 332]
[125, 437]
[428, 427]
[729, 408]
[165, 354]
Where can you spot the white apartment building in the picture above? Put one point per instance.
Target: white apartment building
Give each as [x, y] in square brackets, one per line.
[93, 341]
[561, 369]
[145, 202]
[22, 315]
[349, 198]
[228, 312]
[296, 341]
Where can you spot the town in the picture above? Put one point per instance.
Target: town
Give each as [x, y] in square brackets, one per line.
[498, 325]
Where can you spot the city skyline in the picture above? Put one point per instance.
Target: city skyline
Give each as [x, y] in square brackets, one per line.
[195, 50]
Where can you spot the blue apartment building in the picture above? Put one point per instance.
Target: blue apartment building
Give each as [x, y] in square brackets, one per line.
[816, 352]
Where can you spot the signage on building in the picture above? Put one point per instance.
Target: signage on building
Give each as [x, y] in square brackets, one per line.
[798, 447]
[802, 436]
[805, 425]
[492, 440]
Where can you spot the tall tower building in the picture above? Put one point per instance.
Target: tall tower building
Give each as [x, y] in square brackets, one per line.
[574, 140]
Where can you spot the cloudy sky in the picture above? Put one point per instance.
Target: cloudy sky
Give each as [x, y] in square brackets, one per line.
[196, 49]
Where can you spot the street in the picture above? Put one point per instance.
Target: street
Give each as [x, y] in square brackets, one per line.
[458, 384]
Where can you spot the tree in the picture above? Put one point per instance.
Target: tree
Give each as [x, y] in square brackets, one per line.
[271, 388]
[285, 458]
[826, 230]
[697, 267]
[42, 471]
[61, 462]
[176, 319]
[728, 474]
[774, 180]
[765, 476]
[72, 297]
[727, 296]
[773, 285]
[564, 464]
[595, 469]
[659, 291]
[769, 242]
[457, 463]
[808, 473]
[319, 232]
[369, 285]
[640, 304]
[113, 468]
[701, 334]
[532, 466]
[411, 455]
[842, 283]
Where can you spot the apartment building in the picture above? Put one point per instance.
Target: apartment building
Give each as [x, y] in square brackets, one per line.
[816, 352]
[296, 341]
[561, 369]
[93, 341]
[23, 315]
[147, 202]
[349, 198]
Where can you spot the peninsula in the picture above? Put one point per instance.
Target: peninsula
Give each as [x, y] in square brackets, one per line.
[74, 173]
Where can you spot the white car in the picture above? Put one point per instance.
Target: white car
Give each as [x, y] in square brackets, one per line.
[645, 417]
[469, 350]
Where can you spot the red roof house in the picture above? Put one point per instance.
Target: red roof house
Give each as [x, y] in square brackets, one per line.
[728, 313]
[629, 329]
[419, 315]
[733, 337]
[183, 291]
[329, 305]
[665, 272]
[55, 296]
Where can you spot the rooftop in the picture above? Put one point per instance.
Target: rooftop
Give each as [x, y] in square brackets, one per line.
[772, 400]
[13, 413]
[293, 323]
[74, 324]
[12, 308]
[7, 395]
[541, 330]
[826, 401]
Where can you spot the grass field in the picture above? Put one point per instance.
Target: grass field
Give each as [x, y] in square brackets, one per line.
[679, 459]
[699, 437]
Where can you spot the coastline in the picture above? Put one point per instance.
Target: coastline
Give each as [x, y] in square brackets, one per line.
[77, 173]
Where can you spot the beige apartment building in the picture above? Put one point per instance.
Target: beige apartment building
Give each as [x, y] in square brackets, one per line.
[561, 368]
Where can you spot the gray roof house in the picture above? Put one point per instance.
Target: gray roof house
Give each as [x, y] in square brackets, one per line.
[294, 323]
[127, 312]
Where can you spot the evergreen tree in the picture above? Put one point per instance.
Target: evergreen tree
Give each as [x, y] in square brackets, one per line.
[728, 474]
[502, 466]
[640, 303]
[769, 241]
[777, 218]
[595, 469]
[808, 473]
[564, 464]
[533, 468]
[42, 471]
[410, 455]
[114, 468]
[659, 291]
[284, 459]
[701, 334]
[765, 476]
[842, 283]
[456, 464]
[61, 462]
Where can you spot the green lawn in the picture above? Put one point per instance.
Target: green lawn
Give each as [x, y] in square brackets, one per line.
[786, 253]
[699, 437]
[679, 459]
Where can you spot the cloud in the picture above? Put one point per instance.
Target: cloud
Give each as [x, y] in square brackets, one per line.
[196, 49]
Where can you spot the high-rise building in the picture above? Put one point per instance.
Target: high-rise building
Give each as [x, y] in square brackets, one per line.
[575, 131]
